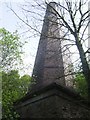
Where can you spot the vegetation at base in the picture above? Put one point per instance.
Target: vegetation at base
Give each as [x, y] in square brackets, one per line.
[13, 87]
[81, 85]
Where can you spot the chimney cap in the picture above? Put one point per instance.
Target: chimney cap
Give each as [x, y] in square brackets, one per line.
[52, 3]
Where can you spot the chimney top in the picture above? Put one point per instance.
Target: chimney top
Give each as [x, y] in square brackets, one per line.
[52, 3]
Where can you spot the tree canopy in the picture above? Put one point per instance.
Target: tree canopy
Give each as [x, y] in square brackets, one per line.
[10, 47]
[13, 87]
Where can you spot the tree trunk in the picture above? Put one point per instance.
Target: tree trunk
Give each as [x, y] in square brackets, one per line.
[85, 66]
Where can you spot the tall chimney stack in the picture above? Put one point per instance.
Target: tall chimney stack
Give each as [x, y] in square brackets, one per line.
[48, 66]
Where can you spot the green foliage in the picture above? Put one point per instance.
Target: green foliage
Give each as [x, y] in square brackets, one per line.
[13, 88]
[81, 85]
[10, 47]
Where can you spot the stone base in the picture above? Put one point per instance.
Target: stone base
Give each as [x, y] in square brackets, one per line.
[53, 101]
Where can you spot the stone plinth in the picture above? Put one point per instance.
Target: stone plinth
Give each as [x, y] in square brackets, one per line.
[53, 101]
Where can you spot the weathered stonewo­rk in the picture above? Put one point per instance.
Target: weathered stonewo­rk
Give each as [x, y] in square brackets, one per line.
[53, 101]
[49, 63]
[49, 97]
